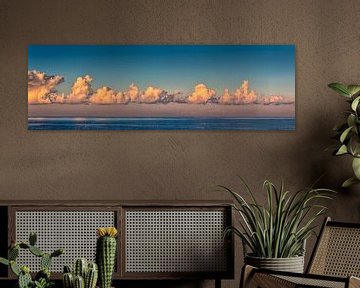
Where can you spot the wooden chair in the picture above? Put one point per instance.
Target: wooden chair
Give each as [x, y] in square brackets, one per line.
[335, 262]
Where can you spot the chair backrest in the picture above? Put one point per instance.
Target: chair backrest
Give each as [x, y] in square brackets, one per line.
[337, 251]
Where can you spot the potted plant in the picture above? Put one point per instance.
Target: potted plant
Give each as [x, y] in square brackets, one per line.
[348, 132]
[276, 233]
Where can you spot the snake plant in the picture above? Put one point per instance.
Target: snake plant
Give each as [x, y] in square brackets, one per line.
[348, 132]
[279, 228]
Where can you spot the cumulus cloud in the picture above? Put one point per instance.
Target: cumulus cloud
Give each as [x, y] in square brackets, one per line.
[151, 95]
[242, 95]
[133, 93]
[201, 95]
[103, 95]
[227, 98]
[41, 87]
[106, 95]
[80, 91]
[276, 100]
[122, 98]
[42, 90]
[178, 97]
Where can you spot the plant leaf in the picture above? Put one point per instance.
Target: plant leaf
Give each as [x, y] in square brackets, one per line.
[4, 261]
[353, 89]
[345, 134]
[349, 182]
[340, 88]
[342, 150]
[356, 167]
[355, 103]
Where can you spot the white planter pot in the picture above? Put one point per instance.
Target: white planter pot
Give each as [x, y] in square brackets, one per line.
[291, 264]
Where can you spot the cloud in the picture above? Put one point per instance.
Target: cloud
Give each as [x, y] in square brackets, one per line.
[103, 95]
[106, 95]
[242, 95]
[80, 91]
[227, 98]
[41, 87]
[42, 90]
[201, 94]
[276, 100]
[153, 95]
[122, 98]
[58, 98]
[178, 97]
[133, 93]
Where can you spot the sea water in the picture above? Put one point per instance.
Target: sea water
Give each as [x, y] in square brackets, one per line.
[159, 123]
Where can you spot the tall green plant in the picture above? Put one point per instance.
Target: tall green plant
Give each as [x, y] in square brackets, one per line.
[349, 131]
[279, 229]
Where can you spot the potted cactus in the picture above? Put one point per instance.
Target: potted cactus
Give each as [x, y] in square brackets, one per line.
[42, 278]
[85, 275]
[106, 254]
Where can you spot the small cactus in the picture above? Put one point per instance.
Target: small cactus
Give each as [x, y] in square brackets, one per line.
[24, 277]
[32, 239]
[13, 253]
[89, 272]
[79, 282]
[42, 278]
[106, 254]
[80, 268]
[68, 280]
[45, 261]
[91, 276]
[36, 251]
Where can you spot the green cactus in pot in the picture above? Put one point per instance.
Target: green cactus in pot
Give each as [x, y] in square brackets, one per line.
[106, 254]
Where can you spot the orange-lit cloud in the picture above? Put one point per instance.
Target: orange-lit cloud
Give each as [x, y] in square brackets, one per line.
[227, 98]
[42, 90]
[41, 87]
[80, 91]
[201, 95]
[151, 95]
[133, 93]
[276, 100]
[122, 98]
[106, 95]
[242, 95]
[103, 95]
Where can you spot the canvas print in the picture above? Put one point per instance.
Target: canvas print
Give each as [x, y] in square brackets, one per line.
[161, 87]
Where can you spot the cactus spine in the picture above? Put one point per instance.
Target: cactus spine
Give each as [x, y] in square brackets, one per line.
[106, 254]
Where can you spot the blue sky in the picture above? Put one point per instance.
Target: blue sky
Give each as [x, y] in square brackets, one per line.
[270, 69]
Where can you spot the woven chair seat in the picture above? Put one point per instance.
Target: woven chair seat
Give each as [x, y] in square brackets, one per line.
[335, 262]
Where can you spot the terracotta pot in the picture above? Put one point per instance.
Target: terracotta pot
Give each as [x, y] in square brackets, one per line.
[291, 264]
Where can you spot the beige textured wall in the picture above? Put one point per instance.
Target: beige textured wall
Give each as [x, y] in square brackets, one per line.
[178, 165]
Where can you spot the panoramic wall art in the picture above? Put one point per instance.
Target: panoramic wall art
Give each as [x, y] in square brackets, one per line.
[161, 87]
